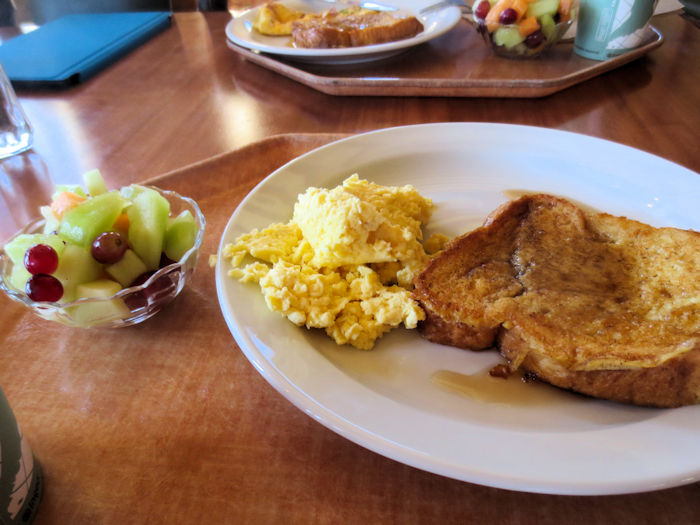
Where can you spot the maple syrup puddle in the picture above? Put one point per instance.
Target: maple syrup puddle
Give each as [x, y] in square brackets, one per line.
[512, 194]
[513, 390]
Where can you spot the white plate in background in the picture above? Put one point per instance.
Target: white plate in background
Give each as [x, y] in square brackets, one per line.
[240, 32]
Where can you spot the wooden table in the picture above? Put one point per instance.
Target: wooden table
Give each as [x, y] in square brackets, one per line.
[167, 422]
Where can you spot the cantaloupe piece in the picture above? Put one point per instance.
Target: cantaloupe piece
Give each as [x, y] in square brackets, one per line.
[494, 14]
[64, 201]
[121, 225]
[564, 10]
[521, 7]
[528, 25]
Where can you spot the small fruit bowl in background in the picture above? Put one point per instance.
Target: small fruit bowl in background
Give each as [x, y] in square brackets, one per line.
[128, 306]
[522, 28]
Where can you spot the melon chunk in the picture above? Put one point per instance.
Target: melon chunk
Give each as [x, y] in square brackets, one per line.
[528, 25]
[148, 220]
[508, 36]
[81, 224]
[549, 26]
[543, 7]
[127, 269]
[180, 235]
[20, 244]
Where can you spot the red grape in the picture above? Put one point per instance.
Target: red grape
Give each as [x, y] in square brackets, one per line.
[482, 9]
[508, 16]
[44, 287]
[165, 261]
[161, 287]
[534, 39]
[108, 247]
[41, 258]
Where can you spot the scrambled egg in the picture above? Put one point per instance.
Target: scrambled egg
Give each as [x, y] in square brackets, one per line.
[275, 19]
[345, 262]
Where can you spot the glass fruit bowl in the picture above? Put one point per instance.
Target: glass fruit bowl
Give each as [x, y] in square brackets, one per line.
[522, 28]
[128, 306]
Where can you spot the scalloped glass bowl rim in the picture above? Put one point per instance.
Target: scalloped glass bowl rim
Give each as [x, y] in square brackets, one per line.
[55, 307]
[561, 29]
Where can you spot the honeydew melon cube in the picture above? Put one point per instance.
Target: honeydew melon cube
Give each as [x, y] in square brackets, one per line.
[549, 26]
[180, 235]
[94, 183]
[81, 224]
[131, 191]
[148, 221]
[76, 265]
[543, 7]
[102, 311]
[127, 269]
[16, 248]
[507, 36]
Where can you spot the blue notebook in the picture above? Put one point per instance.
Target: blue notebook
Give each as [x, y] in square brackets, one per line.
[70, 49]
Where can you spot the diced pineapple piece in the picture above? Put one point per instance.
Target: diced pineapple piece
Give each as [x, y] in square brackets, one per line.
[94, 183]
[52, 221]
[19, 277]
[76, 266]
[73, 188]
[103, 311]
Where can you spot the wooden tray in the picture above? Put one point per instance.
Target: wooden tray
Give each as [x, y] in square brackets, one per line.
[168, 418]
[457, 64]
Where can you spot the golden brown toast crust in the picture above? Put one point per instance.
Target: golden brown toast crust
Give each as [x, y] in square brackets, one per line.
[353, 29]
[587, 297]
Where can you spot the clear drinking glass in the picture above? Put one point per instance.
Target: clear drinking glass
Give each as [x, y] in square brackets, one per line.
[16, 134]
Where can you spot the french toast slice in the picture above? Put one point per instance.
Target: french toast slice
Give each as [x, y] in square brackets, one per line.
[353, 27]
[601, 305]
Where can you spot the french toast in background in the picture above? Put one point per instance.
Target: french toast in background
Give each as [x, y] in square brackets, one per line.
[353, 27]
[601, 305]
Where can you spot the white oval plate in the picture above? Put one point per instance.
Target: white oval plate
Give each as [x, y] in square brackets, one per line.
[240, 31]
[386, 401]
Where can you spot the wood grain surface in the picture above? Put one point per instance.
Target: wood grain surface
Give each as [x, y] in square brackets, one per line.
[167, 422]
[184, 96]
